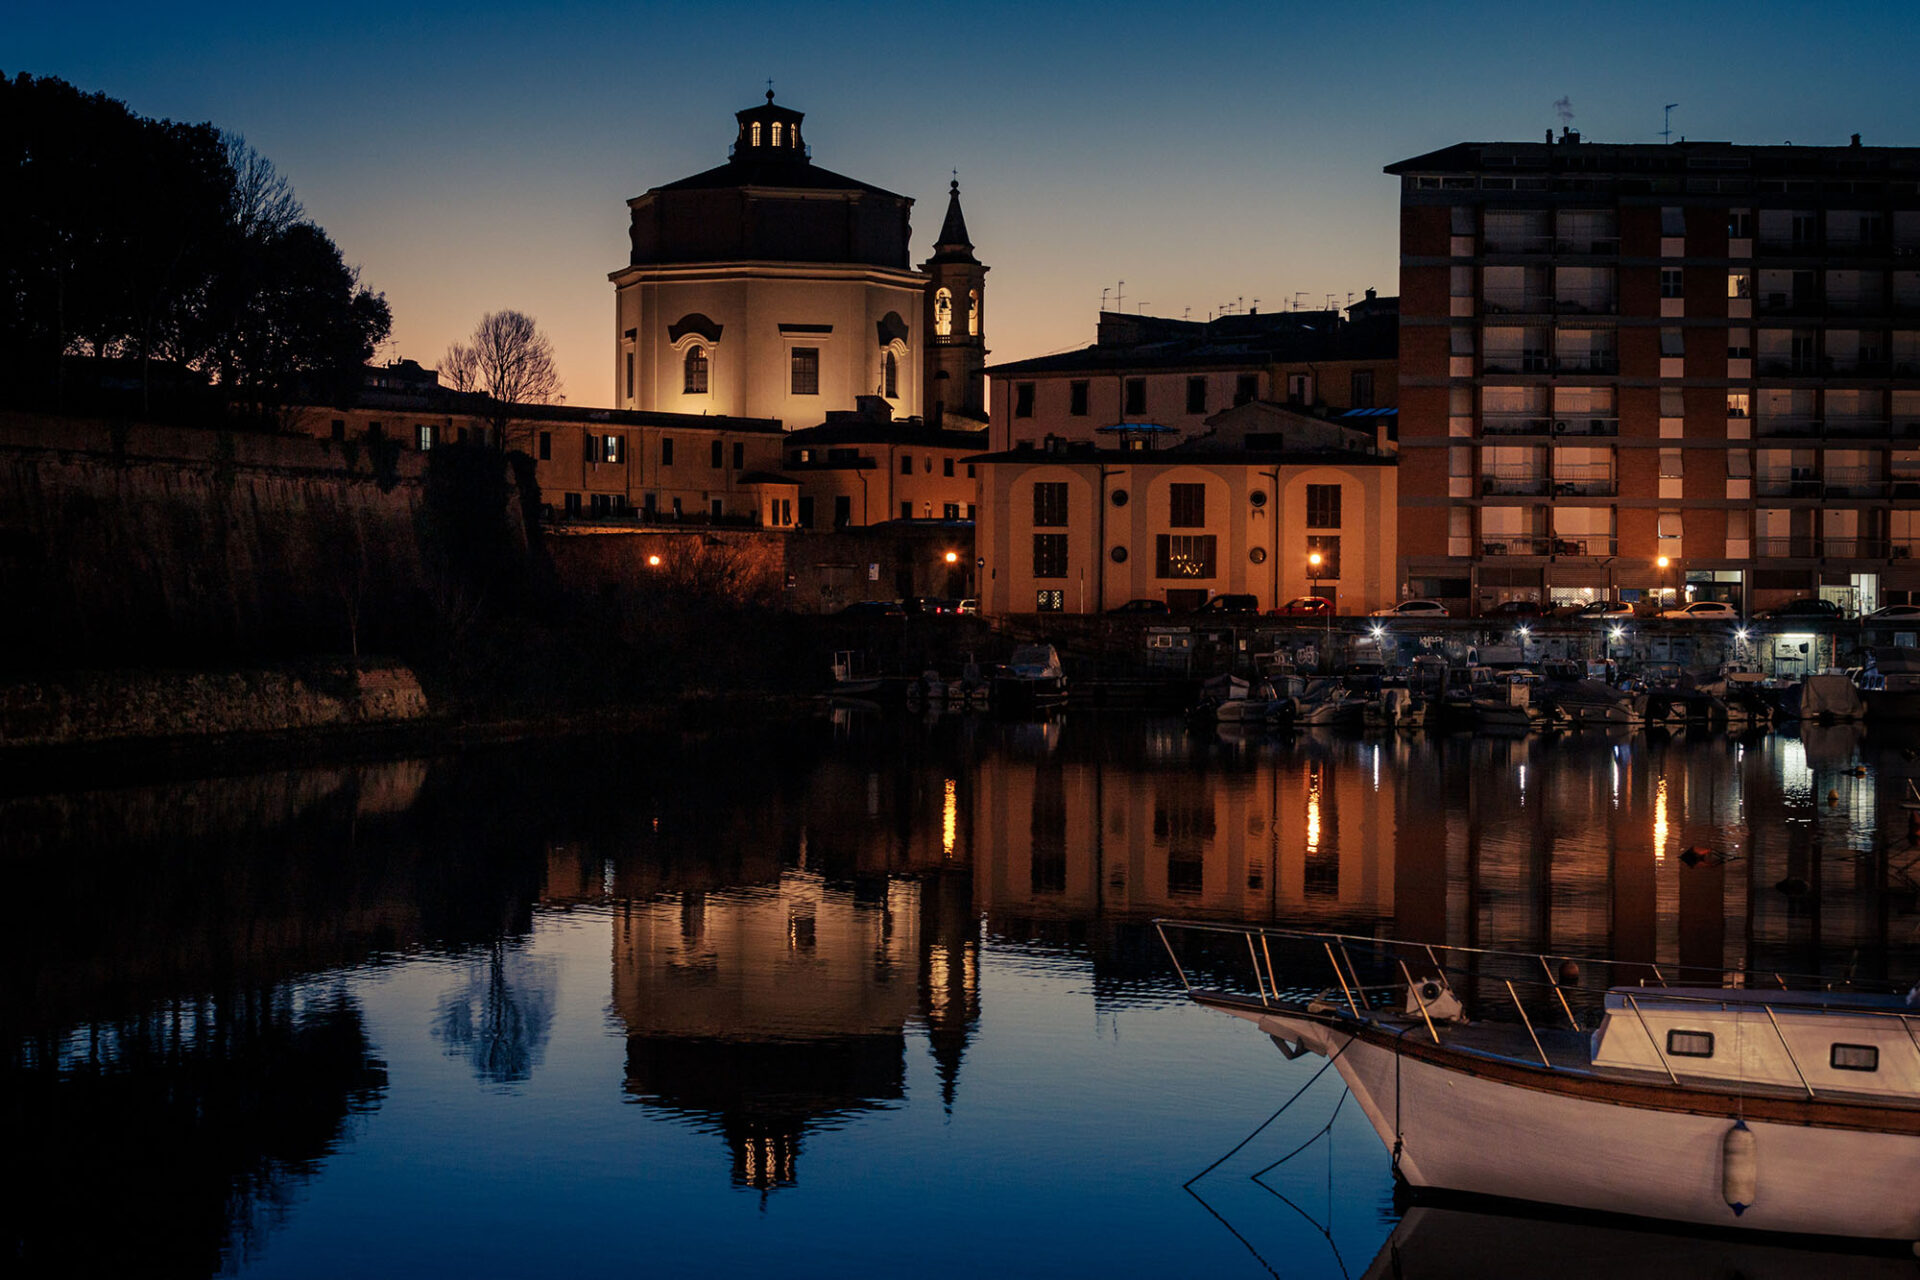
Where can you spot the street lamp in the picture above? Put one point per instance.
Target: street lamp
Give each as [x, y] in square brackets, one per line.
[1661, 564]
[1314, 562]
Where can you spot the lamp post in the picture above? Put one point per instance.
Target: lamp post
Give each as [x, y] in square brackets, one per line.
[1661, 564]
[1314, 562]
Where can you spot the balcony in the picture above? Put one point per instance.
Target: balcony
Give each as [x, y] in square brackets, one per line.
[1588, 362]
[1587, 245]
[1515, 545]
[1586, 426]
[1502, 304]
[1585, 482]
[1587, 304]
[1514, 424]
[1812, 548]
[1794, 246]
[1791, 366]
[1775, 427]
[1853, 482]
[1786, 484]
[1788, 304]
[1583, 544]
[1855, 428]
[1516, 362]
[1512, 482]
[1497, 242]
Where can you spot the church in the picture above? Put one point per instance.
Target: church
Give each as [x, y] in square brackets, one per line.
[770, 287]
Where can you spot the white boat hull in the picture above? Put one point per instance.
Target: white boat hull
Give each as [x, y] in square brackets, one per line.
[1459, 1131]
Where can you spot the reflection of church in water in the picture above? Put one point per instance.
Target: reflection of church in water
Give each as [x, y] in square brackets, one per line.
[782, 992]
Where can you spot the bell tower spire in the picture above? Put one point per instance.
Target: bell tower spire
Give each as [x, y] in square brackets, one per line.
[955, 322]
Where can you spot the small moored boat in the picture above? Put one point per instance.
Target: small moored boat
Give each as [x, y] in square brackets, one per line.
[1504, 1074]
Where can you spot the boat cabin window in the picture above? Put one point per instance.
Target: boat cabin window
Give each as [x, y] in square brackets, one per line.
[1854, 1057]
[1690, 1044]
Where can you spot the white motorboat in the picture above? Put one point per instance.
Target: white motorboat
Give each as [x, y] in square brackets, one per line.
[1789, 1110]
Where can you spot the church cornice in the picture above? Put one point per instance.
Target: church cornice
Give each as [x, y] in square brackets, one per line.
[657, 272]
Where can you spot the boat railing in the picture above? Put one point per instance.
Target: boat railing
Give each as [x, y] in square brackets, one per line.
[1377, 979]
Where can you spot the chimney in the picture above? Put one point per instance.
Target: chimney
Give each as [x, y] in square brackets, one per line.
[1855, 142]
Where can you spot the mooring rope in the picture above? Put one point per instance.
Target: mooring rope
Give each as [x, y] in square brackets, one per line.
[1334, 1057]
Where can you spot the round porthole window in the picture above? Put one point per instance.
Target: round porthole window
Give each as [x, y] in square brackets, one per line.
[1119, 497]
[1119, 555]
[1258, 555]
[1258, 497]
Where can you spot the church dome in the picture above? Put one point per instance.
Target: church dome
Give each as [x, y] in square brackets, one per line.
[769, 202]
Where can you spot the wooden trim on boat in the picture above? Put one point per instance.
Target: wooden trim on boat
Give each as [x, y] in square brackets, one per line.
[1688, 1099]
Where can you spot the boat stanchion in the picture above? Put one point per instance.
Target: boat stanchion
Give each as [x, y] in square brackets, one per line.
[1258, 981]
[1527, 1022]
[1641, 1018]
[1340, 975]
[1789, 1048]
[1555, 984]
[1358, 987]
[1161, 929]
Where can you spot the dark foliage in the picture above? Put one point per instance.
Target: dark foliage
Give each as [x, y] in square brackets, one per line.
[134, 259]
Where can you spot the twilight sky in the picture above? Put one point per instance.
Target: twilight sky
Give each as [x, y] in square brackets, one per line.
[478, 155]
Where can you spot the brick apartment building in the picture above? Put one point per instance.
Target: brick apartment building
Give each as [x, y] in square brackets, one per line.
[1700, 351]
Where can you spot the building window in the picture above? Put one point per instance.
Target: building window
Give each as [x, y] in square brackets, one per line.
[943, 313]
[806, 371]
[1739, 224]
[1670, 285]
[1196, 395]
[890, 376]
[1739, 284]
[1246, 388]
[1690, 1044]
[1049, 555]
[1050, 600]
[906, 511]
[546, 446]
[1672, 343]
[970, 511]
[951, 511]
[1136, 395]
[1362, 389]
[806, 512]
[946, 467]
[970, 474]
[906, 464]
[422, 436]
[776, 133]
[696, 372]
[1023, 399]
[1187, 506]
[1739, 404]
[1050, 503]
[572, 504]
[1328, 545]
[842, 511]
[739, 456]
[973, 313]
[1323, 506]
[1077, 398]
[1183, 555]
[608, 448]
[756, 133]
[629, 358]
[666, 451]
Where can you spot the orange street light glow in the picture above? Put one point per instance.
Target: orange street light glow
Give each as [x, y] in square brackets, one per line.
[653, 561]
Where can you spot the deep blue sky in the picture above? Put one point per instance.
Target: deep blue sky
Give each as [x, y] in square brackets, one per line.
[476, 156]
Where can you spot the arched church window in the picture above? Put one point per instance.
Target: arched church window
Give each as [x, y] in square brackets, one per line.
[973, 313]
[890, 376]
[696, 372]
[756, 133]
[943, 313]
[776, 133]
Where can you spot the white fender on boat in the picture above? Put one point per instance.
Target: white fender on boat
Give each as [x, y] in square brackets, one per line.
[1739, 1168]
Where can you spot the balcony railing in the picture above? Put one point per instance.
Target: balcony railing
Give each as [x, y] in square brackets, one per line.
[1586, 244]
[1514, 424]
[1588, 362]
[1498, 242]
[1589, 304]
[1801, 245]
[1538, 545]
[1783, 484]
[1586, 426]
[1515, 483]
[1786, 426]
[1501, 304]
[1853, 482]
[1584, 482]
[1811, 548]
[1855, 428]
[1516, 362]
[1791, 366]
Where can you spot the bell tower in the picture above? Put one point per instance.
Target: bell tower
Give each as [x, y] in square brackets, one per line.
[956, 343]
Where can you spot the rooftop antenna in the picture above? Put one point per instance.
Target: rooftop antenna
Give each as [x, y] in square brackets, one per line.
[1104, 291]
[1298, 297]
[1666, 131]
[1120, 297]
[1186, 313]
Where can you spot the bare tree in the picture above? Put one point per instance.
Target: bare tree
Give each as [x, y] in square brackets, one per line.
[263, 200]
[507, 360]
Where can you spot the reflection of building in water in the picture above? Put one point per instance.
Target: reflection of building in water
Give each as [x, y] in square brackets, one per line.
[1302, 839]
[769, 1008]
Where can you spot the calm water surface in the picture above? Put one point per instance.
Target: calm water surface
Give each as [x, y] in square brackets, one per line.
[845, 998]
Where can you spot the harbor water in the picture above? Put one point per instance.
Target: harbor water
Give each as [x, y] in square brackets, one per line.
[855, 995]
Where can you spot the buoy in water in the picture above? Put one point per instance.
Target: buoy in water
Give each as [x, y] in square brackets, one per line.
[1739, 1168]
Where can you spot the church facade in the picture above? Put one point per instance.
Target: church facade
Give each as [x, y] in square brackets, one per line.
[770, 287]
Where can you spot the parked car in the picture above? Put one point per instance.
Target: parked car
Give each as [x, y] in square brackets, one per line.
[1515, 609]
[930, 604]
[1704, 611]
[1602, 610]
[1140, 606]
[969, 605]
[1413, 609]
[1805, 607]
[1304, 607]
[1231, 602]
[1895, 613]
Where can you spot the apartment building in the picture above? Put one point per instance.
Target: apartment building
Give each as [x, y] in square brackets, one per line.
[1691, 370]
